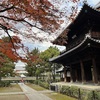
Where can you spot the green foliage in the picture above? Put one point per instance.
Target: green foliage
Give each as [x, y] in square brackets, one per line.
[36, 82]
[49, 53]
[31, 81]
[4, 83]
[41, 63]
[76, 92]
[46, 55]
[42, 83]
[65, 90]
[7, 67]
[72, 91]
[6, 39]
[34, 64]
[35, 51]
[30, 69]
[93, 95]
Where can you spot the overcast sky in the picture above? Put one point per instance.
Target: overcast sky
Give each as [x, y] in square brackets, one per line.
[93, 2]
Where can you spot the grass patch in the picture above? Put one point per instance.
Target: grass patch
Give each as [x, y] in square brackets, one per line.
[12, 88]
[36, 87]
[13, 97]
[58, 96]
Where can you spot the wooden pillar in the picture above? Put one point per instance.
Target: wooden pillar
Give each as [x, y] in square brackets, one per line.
[71, 74]
[76, 76]
[94, 73]
[65, 74]
[82, 72]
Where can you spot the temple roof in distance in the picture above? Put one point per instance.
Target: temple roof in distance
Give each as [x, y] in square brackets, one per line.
[87, 12]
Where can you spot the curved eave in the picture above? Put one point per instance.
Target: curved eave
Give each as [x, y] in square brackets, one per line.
[85, 17]
[87, 12]
[86, 40]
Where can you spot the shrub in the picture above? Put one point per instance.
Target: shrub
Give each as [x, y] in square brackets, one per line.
[80, 94]
[74, 91]
[31, 81]
[65, 90]
[4, 83]
[42, 83]
[93, 95]
[36, 82]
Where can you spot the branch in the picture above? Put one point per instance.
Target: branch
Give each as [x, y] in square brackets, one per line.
[11, 18]
[7, 9]
[10, 39]
[22, 20]
[34, 26]
[6, 30]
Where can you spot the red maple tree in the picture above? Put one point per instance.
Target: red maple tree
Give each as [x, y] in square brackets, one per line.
[30, 13]
[9, 47]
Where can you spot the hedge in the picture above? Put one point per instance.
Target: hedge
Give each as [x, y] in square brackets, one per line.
[76, 92]
[4, 83]
[42, 83]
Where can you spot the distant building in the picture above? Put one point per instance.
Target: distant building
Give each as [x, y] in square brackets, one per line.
[20, 72]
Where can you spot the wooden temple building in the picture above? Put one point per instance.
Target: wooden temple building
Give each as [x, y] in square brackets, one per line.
[82, 41]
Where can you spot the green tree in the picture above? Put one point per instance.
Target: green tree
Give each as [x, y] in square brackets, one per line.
[38, 63]
[46, 55]
[49, 53]
[29, 67]
[34, 64]
[6, 67]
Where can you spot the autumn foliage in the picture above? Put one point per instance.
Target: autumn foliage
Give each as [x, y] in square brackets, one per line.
[31, 13]
[40, 14]
[9, 47]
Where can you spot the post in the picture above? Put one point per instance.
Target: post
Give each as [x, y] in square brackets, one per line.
[71, 77]
[95, 76]
[82, 72]
[65, 74]
[76, 75]
[0, 76]
[54, 66]
[79, 94]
